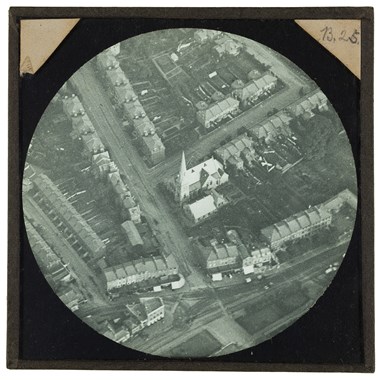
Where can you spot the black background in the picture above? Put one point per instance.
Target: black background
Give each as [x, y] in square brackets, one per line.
[331, 332]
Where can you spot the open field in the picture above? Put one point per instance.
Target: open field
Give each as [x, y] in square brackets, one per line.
[202, 344]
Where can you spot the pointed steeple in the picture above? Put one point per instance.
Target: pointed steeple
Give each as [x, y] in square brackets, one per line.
[183, 167]
[181, 192]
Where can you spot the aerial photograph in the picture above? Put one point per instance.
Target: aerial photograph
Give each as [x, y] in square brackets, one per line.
[189, 193]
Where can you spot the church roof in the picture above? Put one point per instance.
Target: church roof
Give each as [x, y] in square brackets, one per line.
[202, 172]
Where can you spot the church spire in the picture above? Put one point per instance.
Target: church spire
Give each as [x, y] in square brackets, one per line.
[181, 187]
[183, 167]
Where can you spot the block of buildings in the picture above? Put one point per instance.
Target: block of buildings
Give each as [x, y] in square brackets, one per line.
[82, 125]
[133, 110]
[148, 311]
[72, 106]
[273, 127]
[305, 107]
[144, 127]
[125, 94]
[205, 176]
[156, 268]
[256, 260]
[116, 77]
[226, 45]
[297, 226]
[236, 152]
[154, 309]
[134, 319]
[68, 215]
[153, 148]
[117, 329]
[221, 258]
[101, 164]
[132, 233]
[92, 144]
[124, 198]
[133, 211]
[49, 262]
[205, 207]
[210, 115]
[248, 93]
[335, 203]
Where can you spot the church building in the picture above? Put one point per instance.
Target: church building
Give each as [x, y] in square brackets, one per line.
[204, 176]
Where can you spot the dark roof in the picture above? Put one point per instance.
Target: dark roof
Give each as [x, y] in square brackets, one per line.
[69, 214]
[132, 233]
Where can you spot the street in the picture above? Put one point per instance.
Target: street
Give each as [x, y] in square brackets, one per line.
[132, 166]
[240, 296]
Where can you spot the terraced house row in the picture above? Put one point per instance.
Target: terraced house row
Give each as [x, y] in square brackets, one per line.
[297, 226]
[235, 256]
[151, 272]
[102, 165]
[124, 97]
[51, 264]
[66, 218]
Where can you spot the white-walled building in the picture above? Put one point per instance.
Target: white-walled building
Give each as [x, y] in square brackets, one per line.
[205, 176]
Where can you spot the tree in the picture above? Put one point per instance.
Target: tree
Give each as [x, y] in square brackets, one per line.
[319, 136]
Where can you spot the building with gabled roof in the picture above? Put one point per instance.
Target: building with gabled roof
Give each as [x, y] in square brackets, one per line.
[226, 45]
[133, 110]
[205, 207]
[305, 107]
[221, 257]
[101, 164]
[205, 176]
[47, 259]
[132, 233]
[257, 260]
[297, 226]
[82, 125]
[116, 77]
[153, 148]
[125, 94]
[144, 127]
[335, 203]
[72, 106]
[92, 144]
[247, 93]
[235, 150]
[66, 212]
[154, 309]
[154, 270]
[209, 115]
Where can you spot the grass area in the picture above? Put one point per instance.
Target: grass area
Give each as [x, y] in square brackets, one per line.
[256, 319]
[201, 345]
[292, 301]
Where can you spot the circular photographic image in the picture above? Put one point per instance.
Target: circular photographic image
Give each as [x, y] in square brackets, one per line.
[189, 193]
